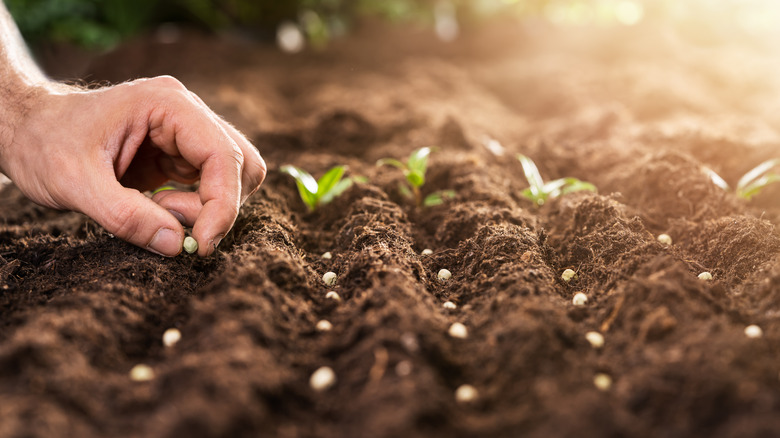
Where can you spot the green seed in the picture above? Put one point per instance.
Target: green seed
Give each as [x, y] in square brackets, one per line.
[190, 244]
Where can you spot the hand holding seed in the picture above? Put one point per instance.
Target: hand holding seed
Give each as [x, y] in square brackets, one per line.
[95, 151]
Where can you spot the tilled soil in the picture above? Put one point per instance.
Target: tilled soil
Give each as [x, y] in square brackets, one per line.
[636, 116]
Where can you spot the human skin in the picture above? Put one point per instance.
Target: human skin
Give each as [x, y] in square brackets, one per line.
[96, 151]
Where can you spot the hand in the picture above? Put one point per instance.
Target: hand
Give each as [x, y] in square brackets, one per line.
[95, 151]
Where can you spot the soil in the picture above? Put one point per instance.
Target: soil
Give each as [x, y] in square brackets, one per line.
[636, 111]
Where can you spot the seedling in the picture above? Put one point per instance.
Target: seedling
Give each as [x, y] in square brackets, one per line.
[414, 170]
[752, 182]
[539, 191]
[315, 193]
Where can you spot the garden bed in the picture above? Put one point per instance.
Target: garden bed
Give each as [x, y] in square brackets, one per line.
[638, 118]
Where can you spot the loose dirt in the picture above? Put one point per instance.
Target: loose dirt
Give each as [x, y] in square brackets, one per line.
[637, 116]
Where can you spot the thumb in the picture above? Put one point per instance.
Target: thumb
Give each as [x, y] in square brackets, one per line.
[131, 216]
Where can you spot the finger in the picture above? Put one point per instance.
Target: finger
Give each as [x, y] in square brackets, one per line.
[131, 216]
[178, 169]
[184, 206]
[255, 168]
[180, 127]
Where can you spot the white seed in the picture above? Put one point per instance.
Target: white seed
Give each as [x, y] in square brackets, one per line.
[403, 368]
[665, 239]
[190, 244]
[579, 299]
[427, 251]
[458, 330]
[171, 337]
[568, 275]
[466, 394]
[449, 305]
[409, 342]
[596, 339]
[332, 295]
[322, 379]
[706, 276]
[444, 275]
[602, 381]
[141, 373]
[327, 255]
[329, 278]
[753, 331]
[323, 325]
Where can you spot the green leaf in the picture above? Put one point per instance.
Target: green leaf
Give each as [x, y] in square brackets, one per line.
[438, 198]
[307, 186]
[750, 178]
[418, 161]
[716, 179]
[575, 185]
[536, 198]
[329, 180]
[535, 181]
[754, 188]
[392, 162]
[415, 178]
[404, 190]
[336, 190]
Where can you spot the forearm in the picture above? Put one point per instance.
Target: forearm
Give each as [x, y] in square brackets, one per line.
[21, 81]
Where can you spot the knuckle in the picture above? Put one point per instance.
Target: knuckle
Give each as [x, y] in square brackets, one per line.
[167, 81]
[122, 222]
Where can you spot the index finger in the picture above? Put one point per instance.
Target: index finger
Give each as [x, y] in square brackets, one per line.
[183, 126]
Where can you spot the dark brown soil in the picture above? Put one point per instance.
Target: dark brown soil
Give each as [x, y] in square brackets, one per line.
[637, 116]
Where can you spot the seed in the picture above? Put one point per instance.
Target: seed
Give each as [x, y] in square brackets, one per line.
[329, 278]
[409, 342]
[579, 299]
[458, 330]
[141, 373]
[322, 379]
[753, 331]
[568, 275]
[602, 381]
[427, 251]
[449, 305]
[466, 394]
[323, 325]
[332, 295]
[596, 339]
[706, 276]
[190, 244]
[444, 275]
[171, 337]
[665, 239]
[327, 255]
[403, 368]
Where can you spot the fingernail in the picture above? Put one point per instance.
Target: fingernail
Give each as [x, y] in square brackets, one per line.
[177, 215]
[165, 242]
[213, 243]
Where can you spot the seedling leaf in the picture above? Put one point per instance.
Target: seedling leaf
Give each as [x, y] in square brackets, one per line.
[329, 180]
[418, 161]
[752, 182]
[415, 178]
[336, 190]
[538, 191]
[392, 162]
[716, 179]
[438, 198]
[531, 172]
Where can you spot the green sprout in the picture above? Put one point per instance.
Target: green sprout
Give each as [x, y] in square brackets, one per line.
[414, 170]
[752, 182]
[539, 191]
[319, 192]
